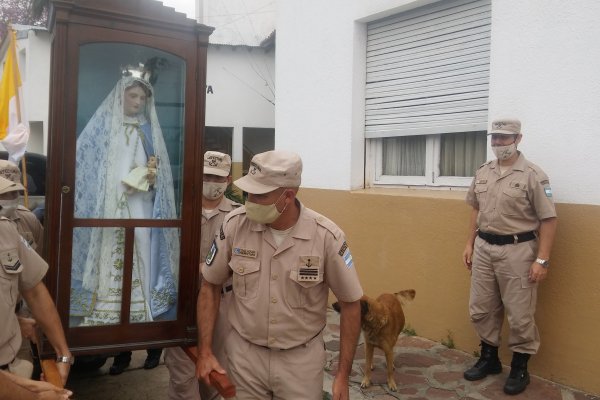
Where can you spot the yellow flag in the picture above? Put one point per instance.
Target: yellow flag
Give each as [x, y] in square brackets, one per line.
[14, 133]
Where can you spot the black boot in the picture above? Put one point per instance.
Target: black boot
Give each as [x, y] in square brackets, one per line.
[120, 362]
[152, 358]
[488, 363]
[518, 379]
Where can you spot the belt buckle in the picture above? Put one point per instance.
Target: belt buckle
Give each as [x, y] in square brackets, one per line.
[516, 237]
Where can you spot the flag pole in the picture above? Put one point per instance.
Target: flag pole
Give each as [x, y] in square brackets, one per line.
[13, 50]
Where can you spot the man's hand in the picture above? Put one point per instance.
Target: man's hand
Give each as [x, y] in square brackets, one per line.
[62, 394]
[205, 364]
[38, 386]
[467, 256]
[44, 390]
[27, 326]
[340, 387]
[537, 273]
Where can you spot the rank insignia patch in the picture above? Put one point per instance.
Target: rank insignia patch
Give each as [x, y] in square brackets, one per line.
[309, 270]
[10, 261]
[343, 249]
[210, 257]
[221, 233]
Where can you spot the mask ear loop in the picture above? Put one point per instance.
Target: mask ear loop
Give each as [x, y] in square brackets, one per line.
[285, 206]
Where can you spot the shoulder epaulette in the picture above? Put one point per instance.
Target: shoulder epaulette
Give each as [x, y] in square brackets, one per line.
[484, 164]
[329, 225]
[22, 208]
[234, 213]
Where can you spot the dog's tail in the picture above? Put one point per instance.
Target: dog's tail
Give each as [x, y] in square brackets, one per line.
[406, 295]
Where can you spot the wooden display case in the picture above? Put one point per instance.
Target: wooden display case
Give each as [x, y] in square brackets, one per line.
[124, 256]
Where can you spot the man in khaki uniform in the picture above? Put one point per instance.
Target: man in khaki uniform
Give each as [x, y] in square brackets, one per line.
[27, 223]
[21, 272]
[512, 229]
[183, 384]
[284, 258]
[30, 228]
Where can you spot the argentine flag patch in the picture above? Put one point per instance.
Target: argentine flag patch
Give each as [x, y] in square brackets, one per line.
[548, 191]
[348, 259]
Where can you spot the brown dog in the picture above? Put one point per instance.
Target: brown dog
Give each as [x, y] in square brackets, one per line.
[382, 320]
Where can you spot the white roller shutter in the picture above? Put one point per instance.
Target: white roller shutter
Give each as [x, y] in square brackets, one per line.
[428, 70]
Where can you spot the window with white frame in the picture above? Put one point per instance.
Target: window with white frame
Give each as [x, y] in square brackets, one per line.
[427, 94]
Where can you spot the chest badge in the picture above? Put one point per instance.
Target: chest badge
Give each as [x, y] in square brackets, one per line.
[10, 262]
[309, 270]
[237, 251]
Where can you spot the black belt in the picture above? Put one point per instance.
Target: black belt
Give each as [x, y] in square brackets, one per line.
[226, 289]
[501, 240]
[290, 348]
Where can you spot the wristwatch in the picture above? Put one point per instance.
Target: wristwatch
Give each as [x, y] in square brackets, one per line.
[65, 359]
[542, 262]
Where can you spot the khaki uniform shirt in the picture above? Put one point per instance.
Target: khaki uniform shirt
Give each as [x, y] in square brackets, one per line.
[21, 269]
[512, 203]
[30, 228]
[211, 223]
[281, 293]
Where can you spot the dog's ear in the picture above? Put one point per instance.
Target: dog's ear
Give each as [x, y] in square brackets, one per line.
[406, 296]
[336, 306]
[364, 308]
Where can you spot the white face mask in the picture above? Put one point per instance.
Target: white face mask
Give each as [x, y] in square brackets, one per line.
[263, 214]
[213, 190]
[505, 152]
[8, 208]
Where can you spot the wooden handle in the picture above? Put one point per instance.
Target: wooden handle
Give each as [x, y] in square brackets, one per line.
[51, 374]
[49, 368]
[222, 383]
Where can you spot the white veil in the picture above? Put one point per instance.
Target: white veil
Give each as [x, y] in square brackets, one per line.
[97, 154]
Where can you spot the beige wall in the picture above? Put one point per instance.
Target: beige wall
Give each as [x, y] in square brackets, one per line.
[413, 239]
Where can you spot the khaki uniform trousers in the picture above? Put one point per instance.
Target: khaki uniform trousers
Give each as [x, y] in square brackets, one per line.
[499, 282]
[183, 384]
[262, 373]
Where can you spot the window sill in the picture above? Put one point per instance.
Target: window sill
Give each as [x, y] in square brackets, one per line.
[457, 193]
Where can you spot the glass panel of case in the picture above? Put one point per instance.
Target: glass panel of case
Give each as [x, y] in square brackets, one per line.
[128, 161]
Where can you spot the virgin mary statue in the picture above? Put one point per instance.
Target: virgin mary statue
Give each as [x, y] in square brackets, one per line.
[123, 172]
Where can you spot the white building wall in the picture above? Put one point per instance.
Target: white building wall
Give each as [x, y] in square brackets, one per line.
[544, 66]
[320, 81]
[545, 62]
[36, 86]
[242, 81]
